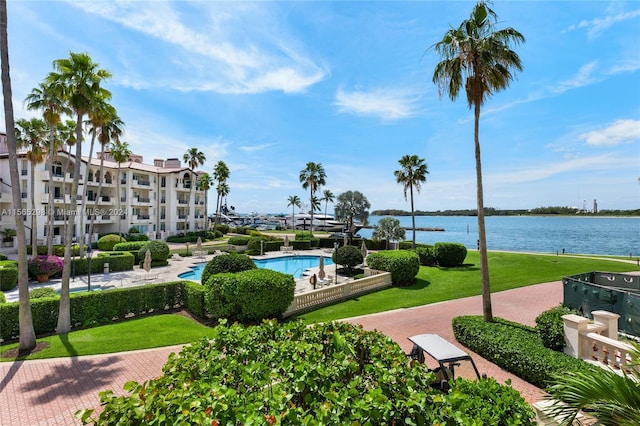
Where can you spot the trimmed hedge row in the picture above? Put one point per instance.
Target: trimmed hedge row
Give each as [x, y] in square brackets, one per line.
[516, 348]
[100, 307]
[132, 247]
[8, 275]
[404, 265]
[57, 250]
[117, 260]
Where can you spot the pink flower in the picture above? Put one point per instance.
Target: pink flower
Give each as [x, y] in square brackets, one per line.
[45, 265]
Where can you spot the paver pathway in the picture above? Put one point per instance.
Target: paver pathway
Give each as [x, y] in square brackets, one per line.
[48, 392]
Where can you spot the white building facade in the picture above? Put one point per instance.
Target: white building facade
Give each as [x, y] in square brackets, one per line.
[159, 200]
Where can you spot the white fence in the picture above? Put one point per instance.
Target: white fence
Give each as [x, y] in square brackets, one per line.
[334, 293]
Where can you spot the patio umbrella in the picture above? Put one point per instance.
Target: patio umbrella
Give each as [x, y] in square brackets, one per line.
[199, 244]
[363, 250]
[146, 265]
[345, 240]
[321, 273]
[286, 241]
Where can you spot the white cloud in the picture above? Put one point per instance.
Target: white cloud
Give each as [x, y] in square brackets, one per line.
[597, 25]
[584, 77]
[219, 54]
[621, 131]
[255, 148]
[388, 104]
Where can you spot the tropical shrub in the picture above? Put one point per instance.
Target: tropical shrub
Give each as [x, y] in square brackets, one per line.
[223, 228]
[239, 240]
[3, 256]
[449, 255]
[3, 298]
[107, 242]
[550, 327]
[255, 244]
[291, 374]
[249, 296]
[137, 237]
[516, 348]
[228, 262]
[426, 255]
[8, 275]
[403, 265]
[159, 252]
[133, 230]
[57, 250]
[132, 247]
[117, 260]
[45, 265]
[42, 292]
[348, 257]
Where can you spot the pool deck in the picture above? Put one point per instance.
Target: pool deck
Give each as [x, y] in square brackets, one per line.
[177, 265]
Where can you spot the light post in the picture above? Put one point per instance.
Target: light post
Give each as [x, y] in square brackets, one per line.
[89, 253]
[73, 266]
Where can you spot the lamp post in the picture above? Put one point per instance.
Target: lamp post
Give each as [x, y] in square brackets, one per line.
[73, 266]
[89, 253]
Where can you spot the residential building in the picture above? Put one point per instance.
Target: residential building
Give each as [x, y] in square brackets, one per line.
[159, 199]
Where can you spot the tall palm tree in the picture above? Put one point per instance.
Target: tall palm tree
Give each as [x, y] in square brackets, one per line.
[222, 190]
[81, 79]
[220, 174]
[194, 158]
[478, 57]
[411, 175]
[111, 130]
[30, 134]
[352, 205]
[294, 201]
[49, 99]
[312, 177]
[205, 182]
[120, 153]
[327, 197]
[27, 339]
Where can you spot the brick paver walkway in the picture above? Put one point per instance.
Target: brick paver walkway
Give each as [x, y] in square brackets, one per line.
[48, 392]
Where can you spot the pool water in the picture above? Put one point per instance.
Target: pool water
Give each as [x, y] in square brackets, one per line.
[293, 265]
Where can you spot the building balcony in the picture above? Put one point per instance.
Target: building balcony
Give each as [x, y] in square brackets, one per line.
[182, 216]
[143, 183]
[139, 218]
[183, 201]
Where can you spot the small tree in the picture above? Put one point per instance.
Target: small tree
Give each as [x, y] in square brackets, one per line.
[348, 257]
[388, 229]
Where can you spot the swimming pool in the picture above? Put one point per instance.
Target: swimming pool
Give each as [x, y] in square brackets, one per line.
[294, 265]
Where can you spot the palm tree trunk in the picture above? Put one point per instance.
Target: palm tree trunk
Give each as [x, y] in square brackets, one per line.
[215, 219]
[34, 223]
[99, 195]
[83, 206]
[413, 219]
[311, 223]
[484, 263]
[64, 314]
[50, 210]
[119, 207]
[25, 320]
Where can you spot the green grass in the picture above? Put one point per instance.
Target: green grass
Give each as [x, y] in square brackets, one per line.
[506, 270]
[149, 332]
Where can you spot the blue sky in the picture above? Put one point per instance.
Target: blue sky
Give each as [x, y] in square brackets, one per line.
[269, 86]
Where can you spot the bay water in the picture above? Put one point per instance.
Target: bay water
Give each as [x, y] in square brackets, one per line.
[618, 236]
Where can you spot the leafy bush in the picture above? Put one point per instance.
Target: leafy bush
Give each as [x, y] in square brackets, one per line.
[45, 265]
[255, 243]
[223, 228]
[57, 250]
[3, 256]
[132, 247]
[133, 230]
[550, 327]
[516, 348]
[347, 256]
[228, 262]
[291, 374]
[404, 265]
[449, 255]
[159, 251]
[3, 298]
[426, 256]
[239, 240]
[107, 242]
[249, 296]
[117, 260]
[42, 292]
[137, 237]
[8, 275]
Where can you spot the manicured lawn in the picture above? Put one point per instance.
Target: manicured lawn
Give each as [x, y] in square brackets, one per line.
[506, 270]
[150, 332]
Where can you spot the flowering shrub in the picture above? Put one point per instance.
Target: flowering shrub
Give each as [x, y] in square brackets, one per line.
[45, 265]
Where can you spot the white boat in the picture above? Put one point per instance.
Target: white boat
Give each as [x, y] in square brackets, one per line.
[321, 222]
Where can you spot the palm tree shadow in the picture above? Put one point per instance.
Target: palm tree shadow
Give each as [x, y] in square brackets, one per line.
[64, 338]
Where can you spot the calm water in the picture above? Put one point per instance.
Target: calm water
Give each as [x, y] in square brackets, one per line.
[294, 265]
[544, 234]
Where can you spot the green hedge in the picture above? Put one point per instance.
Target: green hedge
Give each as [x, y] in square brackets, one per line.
[3, 256]
[100, 307]
[159, 252]
[249, 296]
[550, 327]
[107, 242]
[117, 260]
[229, 262]
[516, 348]
[239, 240]
[404, 265]
[8, 275]
[449, 255]
[132, 247]
[57, 250]
[348, 257]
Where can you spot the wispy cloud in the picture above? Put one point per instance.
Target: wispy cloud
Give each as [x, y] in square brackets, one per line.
[619, 132]
[584, 77]
[254, 148]
[597, 25]
[219, 54]
[388, 104]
